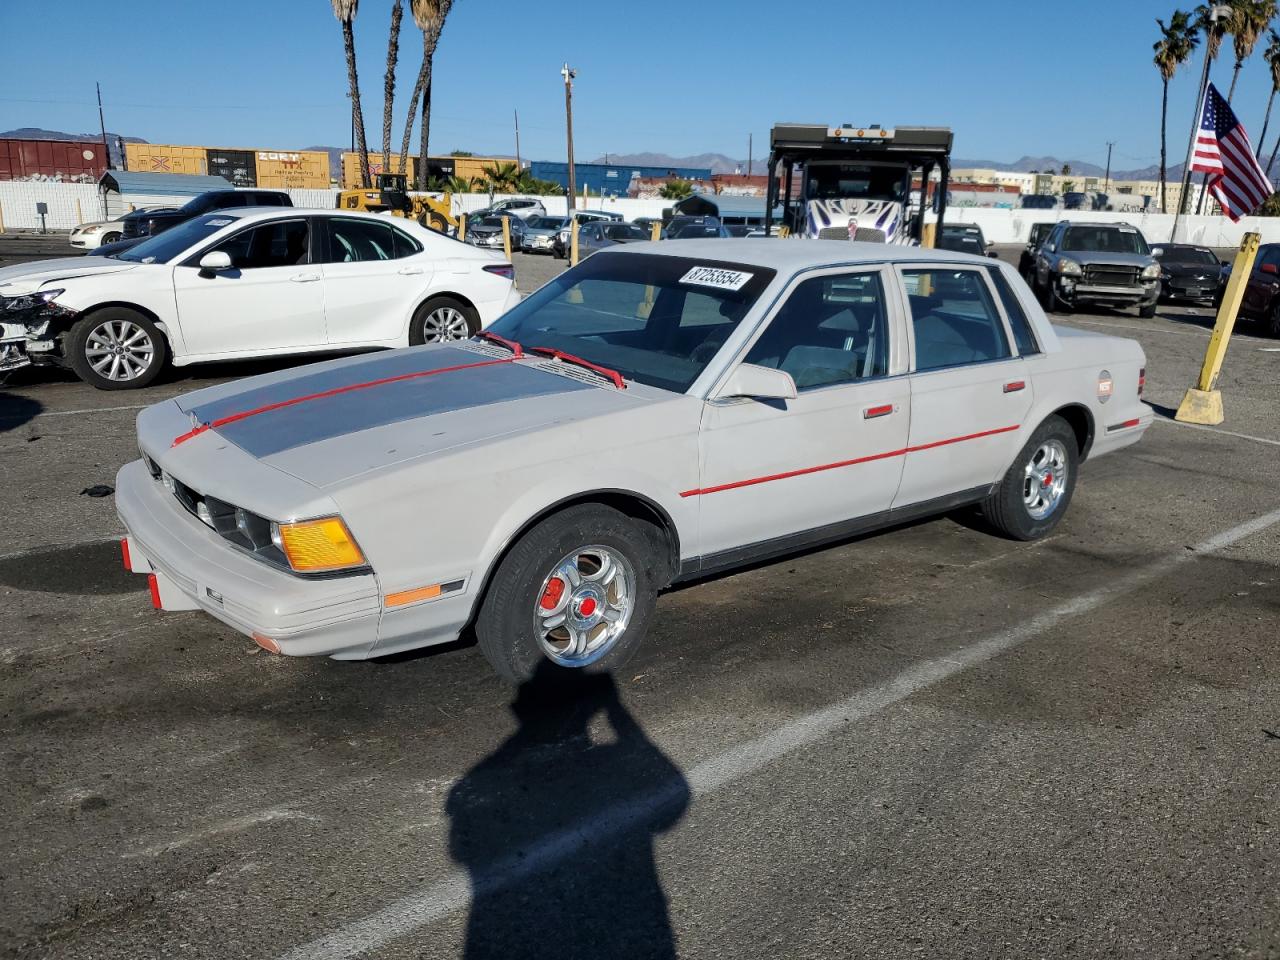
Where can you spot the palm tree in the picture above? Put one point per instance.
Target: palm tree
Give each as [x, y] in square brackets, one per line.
[1248, 21]
[389, 82]
[457, 184]
[1213, 31]
[1272, 56]
[1176, 44]
[345, 11]
[429, 15]
[502, 177]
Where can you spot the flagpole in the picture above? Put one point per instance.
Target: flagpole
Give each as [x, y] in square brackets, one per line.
[1191, 147]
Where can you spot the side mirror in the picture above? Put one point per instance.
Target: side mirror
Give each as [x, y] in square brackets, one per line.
[214, 261]
[759, 383]
[1269, 268]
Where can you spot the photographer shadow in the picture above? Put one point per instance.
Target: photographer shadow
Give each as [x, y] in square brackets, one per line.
[556, 829]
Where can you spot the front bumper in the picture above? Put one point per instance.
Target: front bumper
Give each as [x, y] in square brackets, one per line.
[1070, 290]
[1173, 289]
[195, 569]
[13, 347]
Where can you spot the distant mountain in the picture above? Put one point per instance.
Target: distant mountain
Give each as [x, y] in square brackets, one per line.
[39, 133]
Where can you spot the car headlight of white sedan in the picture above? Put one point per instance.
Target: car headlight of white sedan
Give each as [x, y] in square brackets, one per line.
[28, 301]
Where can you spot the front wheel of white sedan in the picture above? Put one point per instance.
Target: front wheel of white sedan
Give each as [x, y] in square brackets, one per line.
[442, 319]
[1037, 489]
[116, 348]
[576, 590]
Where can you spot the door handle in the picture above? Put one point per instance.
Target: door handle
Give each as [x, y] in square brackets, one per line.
[304, 277]
[411, 271]
[883, 410]
[1013, 386]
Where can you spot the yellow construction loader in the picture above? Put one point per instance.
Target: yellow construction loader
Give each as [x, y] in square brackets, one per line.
[392, 193]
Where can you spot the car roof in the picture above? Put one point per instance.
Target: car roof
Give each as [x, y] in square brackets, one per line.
[791, 255]
[268, 212]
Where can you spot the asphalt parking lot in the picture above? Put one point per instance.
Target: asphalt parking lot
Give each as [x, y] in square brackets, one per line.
[927, 742]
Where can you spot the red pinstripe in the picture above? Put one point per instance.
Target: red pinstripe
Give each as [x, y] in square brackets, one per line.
[698, 492]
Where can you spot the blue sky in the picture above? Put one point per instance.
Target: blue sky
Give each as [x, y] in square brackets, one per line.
[1010, 77]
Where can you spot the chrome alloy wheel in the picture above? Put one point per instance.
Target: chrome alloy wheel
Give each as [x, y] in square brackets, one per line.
[445, 323]
[119, 350]
[1045, 479]
[584, 605]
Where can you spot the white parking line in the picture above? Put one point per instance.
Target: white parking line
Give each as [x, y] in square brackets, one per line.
[451, 894]
[1229, 433]
[1135, 328]
[76, 413]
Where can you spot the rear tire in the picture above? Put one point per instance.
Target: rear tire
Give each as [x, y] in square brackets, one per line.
[116, 348]
[442, 319]
[517, 625]
[1035, 492]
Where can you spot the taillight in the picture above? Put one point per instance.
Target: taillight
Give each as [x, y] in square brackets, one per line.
[504, 270]
[1142, 380]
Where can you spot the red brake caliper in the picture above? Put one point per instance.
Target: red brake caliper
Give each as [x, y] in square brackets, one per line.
[551, 596]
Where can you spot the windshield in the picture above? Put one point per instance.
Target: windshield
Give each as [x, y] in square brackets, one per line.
[545, 223]
[961, 243]
[163, 247]
[1104, 240]
[692, 230]
[861, 181]
[1188, 255]
[625, 231]
[656, 320]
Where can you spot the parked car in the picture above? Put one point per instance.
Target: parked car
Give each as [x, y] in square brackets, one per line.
[252, 282]
[738, 229]
[90, 236]
[964, 240]
[694, 228]
[560, 246]
[148, 223]
[646, 223]
[705, 405]
[1188, 272]
[602, 234]
[1261, 299]
[487, 232]
[965, 230]
[522, 207]
[540, 234]
[1038, 201]
[1027, 259]
[1108, 264]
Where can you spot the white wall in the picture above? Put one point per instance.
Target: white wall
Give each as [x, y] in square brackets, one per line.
[18, 199]
[1013, 226]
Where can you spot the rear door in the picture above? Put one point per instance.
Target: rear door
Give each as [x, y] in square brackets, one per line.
[970, 393]
[271, 301]
[818, 464]
[374, 274]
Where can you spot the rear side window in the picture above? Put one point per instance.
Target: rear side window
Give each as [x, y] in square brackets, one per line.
[1022, 334]
[360, 241]
[405, 245]
[954, 319]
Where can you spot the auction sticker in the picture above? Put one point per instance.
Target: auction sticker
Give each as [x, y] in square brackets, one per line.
[219, 222]
[715, 277]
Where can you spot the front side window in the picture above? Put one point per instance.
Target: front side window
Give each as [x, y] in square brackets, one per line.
[831, 330]
[283, 243]
[954, 318]
[657, 320]
[1022, 333]
[360, 241]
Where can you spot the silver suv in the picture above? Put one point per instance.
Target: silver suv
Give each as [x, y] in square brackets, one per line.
[1108, 264]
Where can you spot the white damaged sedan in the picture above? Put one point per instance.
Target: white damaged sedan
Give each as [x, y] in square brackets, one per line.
[657, 413]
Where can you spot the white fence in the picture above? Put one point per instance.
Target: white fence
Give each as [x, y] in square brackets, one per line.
[74, 203]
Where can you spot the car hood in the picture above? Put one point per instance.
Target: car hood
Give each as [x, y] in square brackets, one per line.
[24, 278]
[331, 422]
[1119, 259]
[1209, 271]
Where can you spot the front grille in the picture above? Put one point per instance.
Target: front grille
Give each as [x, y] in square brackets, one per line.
[1111, 275]
[833, 233]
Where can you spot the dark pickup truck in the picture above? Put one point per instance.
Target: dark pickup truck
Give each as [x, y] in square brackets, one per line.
[150, 224]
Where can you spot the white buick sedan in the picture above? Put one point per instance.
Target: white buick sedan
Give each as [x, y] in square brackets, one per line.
[661, 412]
[252, 282]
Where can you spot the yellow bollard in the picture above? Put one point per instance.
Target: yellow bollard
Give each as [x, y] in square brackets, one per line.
[462, 227]
[930, 231]
[573, 244]
[655, 233]
[506, 237]
[1203, 402]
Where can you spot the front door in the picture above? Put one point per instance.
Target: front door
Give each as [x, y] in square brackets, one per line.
[1263, 283]
[373, 276]
[969, 394]
[270, 301]
[815, 464]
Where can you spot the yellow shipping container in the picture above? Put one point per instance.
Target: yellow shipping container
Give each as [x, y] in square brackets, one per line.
[269, 169]
[465, 167]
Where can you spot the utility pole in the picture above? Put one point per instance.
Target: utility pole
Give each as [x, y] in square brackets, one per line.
[749, 145]
[1216, 13]
[516, 113]
[1106, 180]
[569, 75]
[102, 125]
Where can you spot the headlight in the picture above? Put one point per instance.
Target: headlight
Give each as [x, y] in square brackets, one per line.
[1151, 272]
[29, 301]
[1068, 268]
[317, 546]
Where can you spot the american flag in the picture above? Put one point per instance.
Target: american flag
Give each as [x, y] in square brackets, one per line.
[1223, 152]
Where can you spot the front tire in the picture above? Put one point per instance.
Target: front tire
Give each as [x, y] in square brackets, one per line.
[441, 320]
[578, 590]
[110, 238]
[116, 348]
[1147, 310]
[1035, 492]
[1273, 321]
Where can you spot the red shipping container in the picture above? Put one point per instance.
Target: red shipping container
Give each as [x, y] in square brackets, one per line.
[69, 161]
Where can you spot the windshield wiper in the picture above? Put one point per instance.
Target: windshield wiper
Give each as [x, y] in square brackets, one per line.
[613, 376]
[516, 350]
